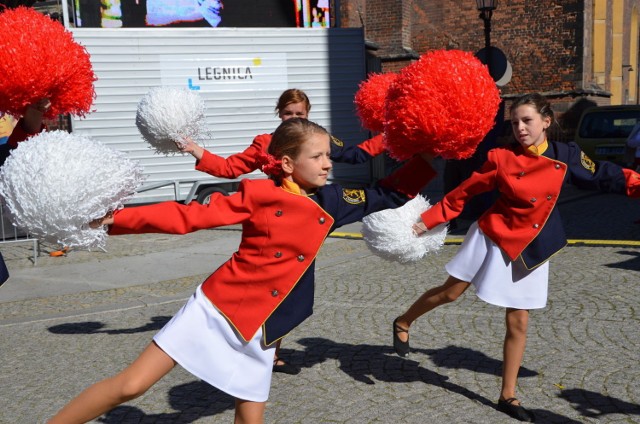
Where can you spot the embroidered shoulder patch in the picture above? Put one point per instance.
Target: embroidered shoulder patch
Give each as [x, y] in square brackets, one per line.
[337, 141]
[353, 196]
[587, 163]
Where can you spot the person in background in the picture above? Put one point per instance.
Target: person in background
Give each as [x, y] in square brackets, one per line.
[134, 13]
[226, 332]
[633, 145]
[292, 103]
[7, 122]
[506, 252]
[90, 13]
[32, 123]
[29, 125]
[211, 11]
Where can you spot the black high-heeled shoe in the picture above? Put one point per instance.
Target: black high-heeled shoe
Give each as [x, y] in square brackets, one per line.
[285, 367]
[401, 348]
[518, 412]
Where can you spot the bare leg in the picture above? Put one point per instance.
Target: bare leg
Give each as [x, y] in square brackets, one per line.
[248, 412]
[152, 364]
[432, 298]
[279, 364]
[515, 341]
[276, 356]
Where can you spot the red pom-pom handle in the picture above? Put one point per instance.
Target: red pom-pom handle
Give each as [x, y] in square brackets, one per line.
[444, 104]
[39, 59]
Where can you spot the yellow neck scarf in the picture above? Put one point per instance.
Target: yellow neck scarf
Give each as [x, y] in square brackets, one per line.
[538, 150]
[290, 186]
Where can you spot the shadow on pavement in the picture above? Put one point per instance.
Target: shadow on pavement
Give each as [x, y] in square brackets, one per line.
[593, 404]
[191, 401]
[94, 327]
[369, 363]
[631, 264]
[380, 362]
[455, 357]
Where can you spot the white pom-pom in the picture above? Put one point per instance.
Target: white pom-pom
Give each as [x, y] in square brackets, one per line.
[166, 115]
[389, 233]
[55, 183]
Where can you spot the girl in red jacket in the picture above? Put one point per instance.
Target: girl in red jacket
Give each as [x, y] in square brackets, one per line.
[505, 253]
[227, 331]
[292, 103]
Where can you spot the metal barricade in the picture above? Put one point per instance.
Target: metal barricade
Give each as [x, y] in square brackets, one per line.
[11, 234]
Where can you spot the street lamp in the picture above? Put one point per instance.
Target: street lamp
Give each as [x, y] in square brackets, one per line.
[486, 8]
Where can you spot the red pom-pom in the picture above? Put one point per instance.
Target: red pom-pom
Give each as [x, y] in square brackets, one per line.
[443, 104]
[370, 100]
[40, 59]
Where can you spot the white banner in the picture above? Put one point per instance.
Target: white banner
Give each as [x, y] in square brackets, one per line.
[223, 73]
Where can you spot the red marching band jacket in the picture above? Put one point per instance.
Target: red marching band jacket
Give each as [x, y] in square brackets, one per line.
[282, 233]
[235, 165]
[524, 215]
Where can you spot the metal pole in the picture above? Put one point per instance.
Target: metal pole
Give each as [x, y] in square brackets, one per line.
[486, 17]
[65, 14]
[487, 29]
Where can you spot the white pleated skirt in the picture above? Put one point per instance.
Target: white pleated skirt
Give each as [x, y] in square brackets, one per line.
[497, 279]
[203, 342]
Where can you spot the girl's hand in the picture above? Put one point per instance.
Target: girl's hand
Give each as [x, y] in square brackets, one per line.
[419, 228]
[106, 220]
[191, 147]
[42, 105]
[32, 120]
[39, 107]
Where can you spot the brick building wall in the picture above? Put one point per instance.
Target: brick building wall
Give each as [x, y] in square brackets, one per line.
[543, 40]
[385, 20]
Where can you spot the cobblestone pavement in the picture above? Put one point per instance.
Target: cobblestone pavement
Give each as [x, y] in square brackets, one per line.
[580, 366]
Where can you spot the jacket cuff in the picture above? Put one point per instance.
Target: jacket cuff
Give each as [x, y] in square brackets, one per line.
[201, 164]
[373, 146]
[632, 180]
[433, 216]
